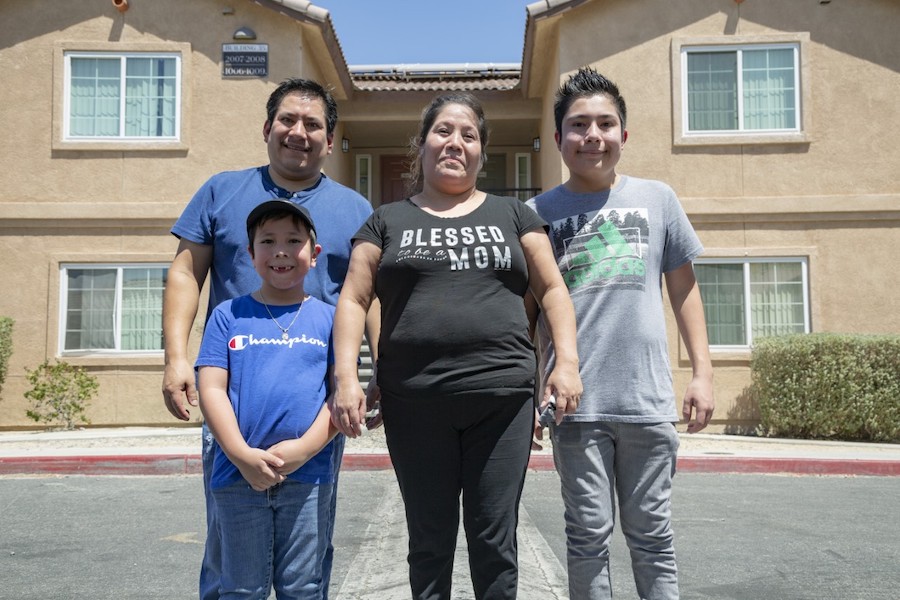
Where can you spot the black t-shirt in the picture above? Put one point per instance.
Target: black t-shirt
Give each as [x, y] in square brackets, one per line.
[451, 289]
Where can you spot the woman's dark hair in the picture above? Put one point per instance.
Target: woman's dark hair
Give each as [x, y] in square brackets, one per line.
[429, 115]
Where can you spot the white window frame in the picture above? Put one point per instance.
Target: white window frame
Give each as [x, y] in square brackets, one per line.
[61, 91]
[360, 158]
[518, 173]
[800, 42]
[117, 308]
[746, 262]
[123, 58]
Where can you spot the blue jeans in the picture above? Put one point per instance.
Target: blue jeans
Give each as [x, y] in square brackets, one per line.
[211, 566]
[276, 538]
[336, 457]
[598, 462]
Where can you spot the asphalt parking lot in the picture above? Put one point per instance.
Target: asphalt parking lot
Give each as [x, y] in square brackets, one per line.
[738, 536]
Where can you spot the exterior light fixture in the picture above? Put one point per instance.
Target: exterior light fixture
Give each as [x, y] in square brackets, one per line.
[345, 145]
[244, 33]
[536, 144]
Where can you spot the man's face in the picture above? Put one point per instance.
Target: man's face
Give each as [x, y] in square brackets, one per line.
[296, 139]
[592, 138]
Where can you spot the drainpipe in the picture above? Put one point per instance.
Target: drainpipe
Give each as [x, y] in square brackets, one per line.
[121, 5]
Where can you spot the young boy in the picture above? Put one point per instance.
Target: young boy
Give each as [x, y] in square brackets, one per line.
[614, 238]
[265, 369]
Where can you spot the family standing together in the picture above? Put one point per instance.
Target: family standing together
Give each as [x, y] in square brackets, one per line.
[480, 312]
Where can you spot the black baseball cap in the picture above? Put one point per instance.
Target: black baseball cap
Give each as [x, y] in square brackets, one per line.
[280, 206]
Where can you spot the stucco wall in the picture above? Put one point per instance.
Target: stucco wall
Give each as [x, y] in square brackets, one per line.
[833, 198]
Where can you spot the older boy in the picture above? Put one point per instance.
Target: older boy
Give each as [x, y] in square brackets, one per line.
[615, 237]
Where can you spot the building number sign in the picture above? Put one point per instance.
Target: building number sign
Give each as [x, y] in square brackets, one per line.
[245, 60]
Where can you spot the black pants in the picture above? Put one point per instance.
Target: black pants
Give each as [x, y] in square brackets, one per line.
[477, 446]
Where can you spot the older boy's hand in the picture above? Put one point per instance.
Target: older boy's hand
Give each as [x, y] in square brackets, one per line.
[258, 467]
[699, 403]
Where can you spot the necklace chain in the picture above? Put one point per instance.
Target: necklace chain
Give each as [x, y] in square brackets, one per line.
[284, 330]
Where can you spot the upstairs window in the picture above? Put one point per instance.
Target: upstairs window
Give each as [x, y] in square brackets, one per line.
[742, 89]
[115, 308]
[115, 97]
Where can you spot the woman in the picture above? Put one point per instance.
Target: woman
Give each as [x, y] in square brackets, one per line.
[450, 266]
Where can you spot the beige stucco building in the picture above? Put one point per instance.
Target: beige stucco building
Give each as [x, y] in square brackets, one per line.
[775, 122]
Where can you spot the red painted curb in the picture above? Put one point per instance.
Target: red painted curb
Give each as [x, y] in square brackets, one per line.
[798, 466]
[189, 464]
[128, 464]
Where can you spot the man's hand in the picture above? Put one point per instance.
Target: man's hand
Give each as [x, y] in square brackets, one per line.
[179, 389]
[373, 403]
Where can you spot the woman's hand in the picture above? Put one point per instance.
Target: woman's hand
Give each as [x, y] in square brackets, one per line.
[348, 407]
[564, 384]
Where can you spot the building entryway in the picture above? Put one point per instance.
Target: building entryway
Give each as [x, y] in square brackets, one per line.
[394, 177]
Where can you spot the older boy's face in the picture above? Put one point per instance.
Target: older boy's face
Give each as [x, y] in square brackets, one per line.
[592, 139]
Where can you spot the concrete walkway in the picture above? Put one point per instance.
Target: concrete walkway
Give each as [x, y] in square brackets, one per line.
[176, 450]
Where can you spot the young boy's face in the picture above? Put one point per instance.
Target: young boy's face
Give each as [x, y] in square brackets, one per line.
[282, 255]
[592, 139]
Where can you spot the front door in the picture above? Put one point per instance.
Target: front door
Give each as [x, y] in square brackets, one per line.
[394, 176]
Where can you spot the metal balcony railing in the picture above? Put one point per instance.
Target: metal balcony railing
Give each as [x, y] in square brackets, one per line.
[522, 194]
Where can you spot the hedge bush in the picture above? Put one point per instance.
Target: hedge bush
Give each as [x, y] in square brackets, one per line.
[828, 386]
[6, 327]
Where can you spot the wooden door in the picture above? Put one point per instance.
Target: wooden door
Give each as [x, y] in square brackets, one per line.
[394, 176]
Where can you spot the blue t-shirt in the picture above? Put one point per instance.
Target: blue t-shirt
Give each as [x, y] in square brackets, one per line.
[277, 387]
[217, 216]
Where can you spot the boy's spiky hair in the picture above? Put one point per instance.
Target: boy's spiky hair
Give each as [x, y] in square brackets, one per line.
[586, 82]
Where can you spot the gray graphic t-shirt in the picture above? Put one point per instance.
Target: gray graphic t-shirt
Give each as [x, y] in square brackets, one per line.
[612, 248]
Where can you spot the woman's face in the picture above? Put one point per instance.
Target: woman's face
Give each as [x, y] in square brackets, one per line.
[451, 153]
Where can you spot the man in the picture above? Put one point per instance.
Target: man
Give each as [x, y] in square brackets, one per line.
[299, 131]
[615, 238]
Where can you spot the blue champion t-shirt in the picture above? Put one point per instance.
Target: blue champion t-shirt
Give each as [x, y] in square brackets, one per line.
[277, 387]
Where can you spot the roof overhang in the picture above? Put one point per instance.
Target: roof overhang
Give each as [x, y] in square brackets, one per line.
[325, 49]
[540, 41]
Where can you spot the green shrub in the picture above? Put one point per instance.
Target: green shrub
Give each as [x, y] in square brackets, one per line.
[6, 327]
[828, 386]
[60, 394]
